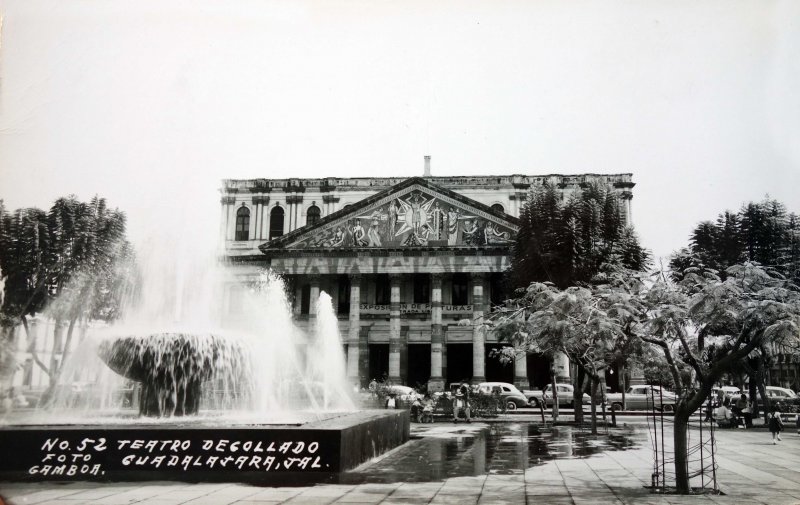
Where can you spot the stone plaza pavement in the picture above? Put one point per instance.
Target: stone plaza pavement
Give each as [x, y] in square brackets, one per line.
[485, 464]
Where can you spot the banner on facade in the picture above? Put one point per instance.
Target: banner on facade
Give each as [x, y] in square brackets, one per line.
[414, 308]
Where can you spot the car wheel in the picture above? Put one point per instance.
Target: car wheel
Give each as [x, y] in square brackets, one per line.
[511, 405]
[616, 407]
[533, 402]
[668, 407]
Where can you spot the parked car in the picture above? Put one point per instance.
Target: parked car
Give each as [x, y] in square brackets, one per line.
[731, 391]
[783, 395]
[642, 397]
[511, 396]
[404, 393]
[545, 396]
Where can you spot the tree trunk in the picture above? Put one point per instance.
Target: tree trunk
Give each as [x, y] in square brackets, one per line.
[624, 386]
[555, 397]
[594, 384]
[577, 394]
[681, 448]
[58, 336]
[66, 347]
[32, 346]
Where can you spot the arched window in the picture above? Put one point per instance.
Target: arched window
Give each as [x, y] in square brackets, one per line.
[312, 216]
[498, 208]
[276, 222]
[243, 224]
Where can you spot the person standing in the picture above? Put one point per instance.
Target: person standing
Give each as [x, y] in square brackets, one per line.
[461, 402]
[775, 424]
[743, 407]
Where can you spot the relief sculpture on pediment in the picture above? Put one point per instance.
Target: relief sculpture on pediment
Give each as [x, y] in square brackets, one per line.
[411, 220]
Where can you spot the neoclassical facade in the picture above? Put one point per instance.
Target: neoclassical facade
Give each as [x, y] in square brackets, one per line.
[412, 264]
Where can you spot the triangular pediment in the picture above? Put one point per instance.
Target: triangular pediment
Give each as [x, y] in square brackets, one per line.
[414, 213]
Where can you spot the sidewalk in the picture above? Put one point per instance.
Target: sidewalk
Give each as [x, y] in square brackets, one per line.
[485, 464]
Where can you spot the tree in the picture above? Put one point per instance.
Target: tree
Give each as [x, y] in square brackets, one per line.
[571, 243]
[712, 325]
[594, 326]
[762, 232]
[74, 262]
[568, 242]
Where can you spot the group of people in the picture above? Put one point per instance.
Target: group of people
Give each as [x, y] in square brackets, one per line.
[730, 413]
[422, 408]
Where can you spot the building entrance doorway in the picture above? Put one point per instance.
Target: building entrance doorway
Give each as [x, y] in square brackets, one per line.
[496, 370]
[459, 363]
[378, 361]
[538, 370]
[419, 364]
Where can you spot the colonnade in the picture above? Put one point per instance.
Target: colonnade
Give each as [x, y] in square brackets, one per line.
[357, 340]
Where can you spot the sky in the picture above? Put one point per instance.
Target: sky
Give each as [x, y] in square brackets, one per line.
[152, 103]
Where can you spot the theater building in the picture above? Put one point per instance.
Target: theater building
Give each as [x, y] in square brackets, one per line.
[412, 265]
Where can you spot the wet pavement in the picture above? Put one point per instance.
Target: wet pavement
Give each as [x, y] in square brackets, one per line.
[443, 451]
[508, 462]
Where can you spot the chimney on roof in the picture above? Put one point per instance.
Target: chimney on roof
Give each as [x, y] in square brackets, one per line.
[427, 166]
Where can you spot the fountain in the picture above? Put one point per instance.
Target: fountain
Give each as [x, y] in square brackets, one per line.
[172, 367]
[187, 388]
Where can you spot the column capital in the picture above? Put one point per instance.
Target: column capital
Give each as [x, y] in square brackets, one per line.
[228, 200]
[395, 278]
[354, 277]
[436, 280]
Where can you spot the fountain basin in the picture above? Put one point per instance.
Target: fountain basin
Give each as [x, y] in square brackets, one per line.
[313, 451]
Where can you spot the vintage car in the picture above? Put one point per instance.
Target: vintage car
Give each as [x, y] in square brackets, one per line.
[545, 396]
[510, 395]
[784, 395]
[644, 397]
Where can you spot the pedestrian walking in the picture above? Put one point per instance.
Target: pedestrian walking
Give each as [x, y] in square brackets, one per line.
[775, 424]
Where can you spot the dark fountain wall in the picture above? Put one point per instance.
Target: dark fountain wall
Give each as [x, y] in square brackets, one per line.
[269, 454]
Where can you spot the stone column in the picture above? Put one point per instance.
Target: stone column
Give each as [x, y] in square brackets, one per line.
[287, 216]
[394, 329]
[521, 370]
[225, 203]
[625, 202]
[561, 366]
[260, 202]
[313, 297]
[252, 226]
[258, 217]
[230, 233]
[353, 330]
[436, 382]
[478, 337]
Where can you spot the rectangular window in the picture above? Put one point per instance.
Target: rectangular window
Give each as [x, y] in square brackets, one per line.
[460, 289]
[422, 288]
[382, 290]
